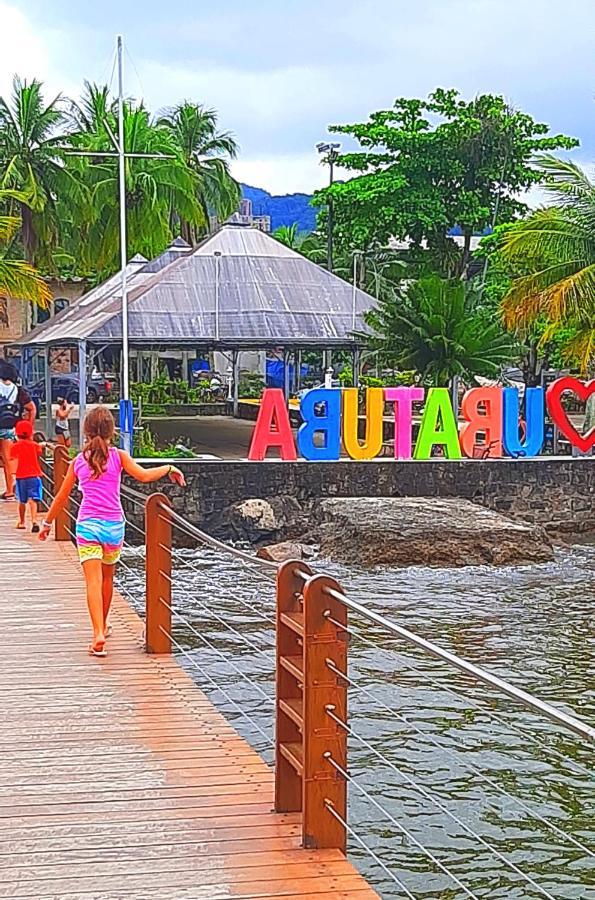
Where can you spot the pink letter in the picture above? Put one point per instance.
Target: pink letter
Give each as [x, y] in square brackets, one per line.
[403, 398]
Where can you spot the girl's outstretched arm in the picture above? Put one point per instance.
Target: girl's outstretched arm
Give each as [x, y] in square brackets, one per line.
[60, 501]
[146, 476]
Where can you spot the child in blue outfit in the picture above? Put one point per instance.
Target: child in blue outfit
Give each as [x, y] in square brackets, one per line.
[29, 489]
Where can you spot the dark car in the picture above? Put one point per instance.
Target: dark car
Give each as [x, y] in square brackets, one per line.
[67, 387]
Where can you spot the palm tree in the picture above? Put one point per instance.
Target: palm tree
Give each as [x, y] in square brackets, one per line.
[432, 326]
[207, 151]
[558, 243]
[32, 141]
[95, 107]
[288, 235]
[18, 278]
[153, 188]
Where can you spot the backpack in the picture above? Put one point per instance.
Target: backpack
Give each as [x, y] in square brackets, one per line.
[10, 412]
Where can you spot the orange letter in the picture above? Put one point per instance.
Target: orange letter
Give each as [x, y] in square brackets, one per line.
[273, 428]
[486, 421]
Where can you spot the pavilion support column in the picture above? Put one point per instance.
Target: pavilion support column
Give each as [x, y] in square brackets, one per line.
[356, 365]
[47, 376]
[286, 373]
[236, 359]
[82, 348]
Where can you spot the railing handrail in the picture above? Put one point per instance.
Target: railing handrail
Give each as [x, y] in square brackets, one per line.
[550, 712]
[541, 706]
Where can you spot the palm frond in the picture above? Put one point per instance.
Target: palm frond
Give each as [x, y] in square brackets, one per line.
[20, 280]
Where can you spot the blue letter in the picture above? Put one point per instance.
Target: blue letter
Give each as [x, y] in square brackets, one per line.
[328, 422]
[535, 411]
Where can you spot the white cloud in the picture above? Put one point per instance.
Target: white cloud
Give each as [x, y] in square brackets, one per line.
[280, 73]
[31, 52]
[283, 174]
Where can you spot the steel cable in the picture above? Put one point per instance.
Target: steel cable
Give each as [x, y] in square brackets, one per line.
[368, 849]
[463, 763]
[433, 801]
[474, 704]
[218, 687]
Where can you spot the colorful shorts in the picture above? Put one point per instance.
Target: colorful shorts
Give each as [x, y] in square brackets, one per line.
[100, 539]
[29, 489]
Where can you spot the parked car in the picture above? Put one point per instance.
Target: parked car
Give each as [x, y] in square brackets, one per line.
[67, 386]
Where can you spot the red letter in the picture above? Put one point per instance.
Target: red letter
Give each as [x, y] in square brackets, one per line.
[273, 428]
[487, 421]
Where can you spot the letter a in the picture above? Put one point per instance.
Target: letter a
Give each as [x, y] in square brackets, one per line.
[438, 408]
[273, 428]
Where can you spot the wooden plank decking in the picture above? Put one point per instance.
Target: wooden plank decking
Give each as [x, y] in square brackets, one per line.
[118, 779]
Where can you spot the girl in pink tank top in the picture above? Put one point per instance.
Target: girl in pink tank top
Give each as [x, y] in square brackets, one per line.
[100, 522]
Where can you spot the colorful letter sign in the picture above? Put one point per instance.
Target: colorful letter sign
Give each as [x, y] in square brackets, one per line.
[491, 422]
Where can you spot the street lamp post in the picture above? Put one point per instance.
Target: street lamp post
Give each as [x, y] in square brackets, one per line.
[330, 154]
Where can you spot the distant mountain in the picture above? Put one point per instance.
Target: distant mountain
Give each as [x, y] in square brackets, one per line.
[283, 209]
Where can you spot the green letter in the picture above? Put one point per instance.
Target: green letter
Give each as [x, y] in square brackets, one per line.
[438, 408]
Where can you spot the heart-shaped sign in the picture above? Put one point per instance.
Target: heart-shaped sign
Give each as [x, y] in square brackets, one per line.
[583, 390]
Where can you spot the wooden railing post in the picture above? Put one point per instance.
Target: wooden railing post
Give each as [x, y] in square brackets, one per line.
[158, 536]
[289, 677]
[324, 690]
[61, 463]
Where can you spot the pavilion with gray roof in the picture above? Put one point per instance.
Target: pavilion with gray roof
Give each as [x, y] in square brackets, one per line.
[240, 289]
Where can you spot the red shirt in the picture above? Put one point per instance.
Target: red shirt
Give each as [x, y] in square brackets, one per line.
[27, 455]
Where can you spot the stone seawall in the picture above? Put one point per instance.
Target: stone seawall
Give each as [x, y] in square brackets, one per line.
[557, 493]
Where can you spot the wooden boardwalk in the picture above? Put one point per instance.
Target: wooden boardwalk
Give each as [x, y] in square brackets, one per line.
[118, 778]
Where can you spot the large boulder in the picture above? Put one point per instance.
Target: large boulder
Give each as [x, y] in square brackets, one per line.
[370, 531]
[266, 520]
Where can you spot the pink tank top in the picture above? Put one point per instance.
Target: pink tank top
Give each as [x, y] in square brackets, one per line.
[101, 496]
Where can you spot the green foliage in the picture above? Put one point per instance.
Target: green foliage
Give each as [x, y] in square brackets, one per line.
[69, 208]
[552, 258]
[146, 448]
[389, 379]
[426, 166]
[541, 345]
[251, 385]
[437, 328]
[206, 151]
[162, 392]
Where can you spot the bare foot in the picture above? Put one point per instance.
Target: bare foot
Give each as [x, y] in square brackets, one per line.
[21, 526]
[97, 648]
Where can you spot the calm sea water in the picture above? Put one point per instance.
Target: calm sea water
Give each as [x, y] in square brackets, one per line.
[438, 763]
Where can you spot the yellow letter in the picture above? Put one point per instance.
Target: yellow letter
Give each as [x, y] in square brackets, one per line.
[372, 444]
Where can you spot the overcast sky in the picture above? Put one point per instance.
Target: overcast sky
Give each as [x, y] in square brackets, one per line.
[279, 71]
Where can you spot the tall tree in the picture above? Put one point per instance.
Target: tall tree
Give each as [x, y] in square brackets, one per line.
[207, 152]
[153, 188]
[556, 246]
[433, 326]
[32, 140]
[426, 166]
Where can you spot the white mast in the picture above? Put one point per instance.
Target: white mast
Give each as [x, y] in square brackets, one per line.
[123, 253]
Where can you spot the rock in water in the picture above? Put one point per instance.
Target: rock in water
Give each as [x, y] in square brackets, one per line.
[373, 531]
[284, 551]
[265, 520]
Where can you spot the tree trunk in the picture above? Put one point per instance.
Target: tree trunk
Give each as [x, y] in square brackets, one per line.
[465, 256]
[28, 234]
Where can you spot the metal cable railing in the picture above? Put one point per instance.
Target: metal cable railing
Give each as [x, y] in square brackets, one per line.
[182, 581]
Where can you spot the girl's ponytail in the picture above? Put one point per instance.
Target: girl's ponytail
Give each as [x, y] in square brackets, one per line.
[99, 431]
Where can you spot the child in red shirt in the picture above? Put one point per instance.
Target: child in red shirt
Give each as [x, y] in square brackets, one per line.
[28, 475]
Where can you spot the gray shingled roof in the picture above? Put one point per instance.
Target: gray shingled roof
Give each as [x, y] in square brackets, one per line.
[268, 294]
